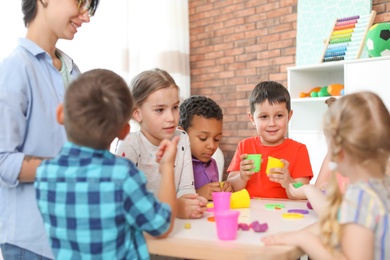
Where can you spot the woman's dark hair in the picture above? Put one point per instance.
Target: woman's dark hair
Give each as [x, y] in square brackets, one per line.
[29, 9]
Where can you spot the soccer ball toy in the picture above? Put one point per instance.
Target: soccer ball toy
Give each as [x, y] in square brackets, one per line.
[378, 40]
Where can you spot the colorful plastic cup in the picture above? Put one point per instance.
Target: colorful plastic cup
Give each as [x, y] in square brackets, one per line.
[273, 163]
[240, 199]
[227, 224]
[221, 200]
[256, 161]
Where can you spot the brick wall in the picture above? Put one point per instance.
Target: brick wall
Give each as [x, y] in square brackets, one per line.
[236, 44]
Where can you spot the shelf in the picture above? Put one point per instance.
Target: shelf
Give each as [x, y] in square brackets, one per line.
[312, 99]
[356, 75]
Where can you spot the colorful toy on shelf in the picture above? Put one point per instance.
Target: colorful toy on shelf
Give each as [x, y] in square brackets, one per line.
[378, 40]
[346, 41]
[331, 90]
[335, 89]
[308, 94]
[323, 92]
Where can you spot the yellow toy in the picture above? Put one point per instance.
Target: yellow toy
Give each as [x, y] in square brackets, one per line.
[273, 163]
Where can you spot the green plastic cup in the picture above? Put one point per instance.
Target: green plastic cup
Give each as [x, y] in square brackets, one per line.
[256, 159]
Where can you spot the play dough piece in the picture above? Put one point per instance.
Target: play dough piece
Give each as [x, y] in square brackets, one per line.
[243, 226]
[187, 225]
[309, 205]
[301, 211]
[297, 184]
[211, 219]
[273, 206]
[292, 215]
[257, 227]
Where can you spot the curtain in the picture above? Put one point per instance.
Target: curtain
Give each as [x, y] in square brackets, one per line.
[125, 36]
[159, 38]
[129, 36]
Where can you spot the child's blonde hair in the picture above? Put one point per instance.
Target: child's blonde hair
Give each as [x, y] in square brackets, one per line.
[149, 81]
[359, 125]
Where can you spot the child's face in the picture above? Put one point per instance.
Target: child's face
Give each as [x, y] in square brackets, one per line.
[271, 122]
[159, 115]
[204, 135]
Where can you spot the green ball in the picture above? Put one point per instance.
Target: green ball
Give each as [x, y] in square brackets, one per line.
[378, 40]
[314, 94]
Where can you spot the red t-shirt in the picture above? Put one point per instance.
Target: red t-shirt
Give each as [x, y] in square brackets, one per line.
[259, 184]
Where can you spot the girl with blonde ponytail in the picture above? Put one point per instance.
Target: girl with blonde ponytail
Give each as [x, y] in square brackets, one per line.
[356, 224]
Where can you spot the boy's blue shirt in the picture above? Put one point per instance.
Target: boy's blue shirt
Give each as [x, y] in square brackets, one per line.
[96, 205]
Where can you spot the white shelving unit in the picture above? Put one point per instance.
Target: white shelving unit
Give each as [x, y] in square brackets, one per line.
[357, 75]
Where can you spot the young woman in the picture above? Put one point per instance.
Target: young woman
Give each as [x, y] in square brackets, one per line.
[33, 79]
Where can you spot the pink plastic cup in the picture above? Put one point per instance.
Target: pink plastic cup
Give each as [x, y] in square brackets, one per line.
[227, 224]
[221, 200]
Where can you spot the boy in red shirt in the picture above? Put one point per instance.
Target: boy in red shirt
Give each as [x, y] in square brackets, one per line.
[270, 112]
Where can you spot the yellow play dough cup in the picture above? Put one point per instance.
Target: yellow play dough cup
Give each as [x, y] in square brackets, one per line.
[273, 163]
[240, 199]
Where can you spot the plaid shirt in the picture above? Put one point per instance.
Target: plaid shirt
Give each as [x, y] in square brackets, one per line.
[95, 205]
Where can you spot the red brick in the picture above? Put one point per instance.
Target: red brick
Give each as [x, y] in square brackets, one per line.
[224, 36]
[267, 7]
[288, 3]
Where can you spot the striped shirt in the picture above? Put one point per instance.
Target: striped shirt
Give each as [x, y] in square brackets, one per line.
[95, 205]
[367, 203]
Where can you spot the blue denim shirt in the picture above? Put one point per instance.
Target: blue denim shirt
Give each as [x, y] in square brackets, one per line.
[30, 90]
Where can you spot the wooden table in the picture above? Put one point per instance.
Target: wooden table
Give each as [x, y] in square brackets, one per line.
[201, 241]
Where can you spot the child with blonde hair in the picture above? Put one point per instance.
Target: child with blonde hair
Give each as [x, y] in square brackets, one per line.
[354, 225]
[156, 110]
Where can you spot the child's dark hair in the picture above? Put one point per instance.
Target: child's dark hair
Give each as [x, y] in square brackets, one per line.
[272, 91]
[198, 106]
[97, 106]
[149, 81]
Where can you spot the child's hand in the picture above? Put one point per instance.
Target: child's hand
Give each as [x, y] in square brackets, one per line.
[227, 187]
[281, 175]
[191, 206]
[208, 189]
[166, 153]
[246, 167]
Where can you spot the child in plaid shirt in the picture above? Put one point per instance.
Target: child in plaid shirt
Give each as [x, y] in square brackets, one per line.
[94, 204]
